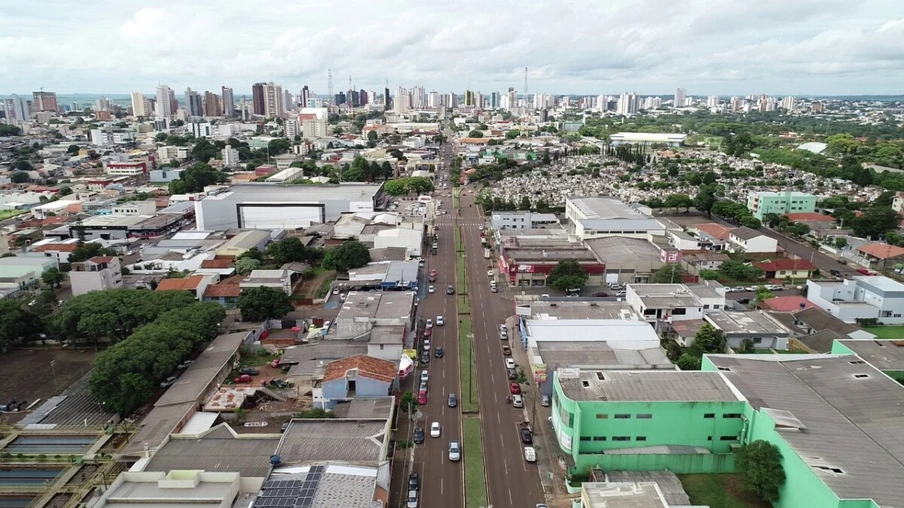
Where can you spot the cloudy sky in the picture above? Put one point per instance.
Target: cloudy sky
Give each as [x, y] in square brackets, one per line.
[800, 47]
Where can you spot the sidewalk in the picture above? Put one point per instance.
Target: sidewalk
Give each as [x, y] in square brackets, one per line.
[552, 474]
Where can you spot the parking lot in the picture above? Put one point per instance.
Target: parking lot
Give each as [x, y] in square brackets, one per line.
[28, 374]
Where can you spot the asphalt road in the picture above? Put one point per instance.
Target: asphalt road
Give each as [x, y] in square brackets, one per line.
[822, 261]
[441, 480]
[511, 482]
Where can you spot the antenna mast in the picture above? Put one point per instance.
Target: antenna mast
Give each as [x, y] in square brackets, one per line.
[329, 86]
[526, 107]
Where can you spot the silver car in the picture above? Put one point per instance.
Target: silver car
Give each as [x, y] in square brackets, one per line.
[454, 451]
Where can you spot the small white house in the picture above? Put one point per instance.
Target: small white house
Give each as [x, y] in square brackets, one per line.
[863, 297]
[744, 239]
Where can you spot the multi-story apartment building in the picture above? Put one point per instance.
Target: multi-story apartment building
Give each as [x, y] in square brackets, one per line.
[96, 274]
[780, 203]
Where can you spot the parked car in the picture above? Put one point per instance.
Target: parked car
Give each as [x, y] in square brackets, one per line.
[435, 429]
[515, 388]
[426, 345]
[454, 451]
[517, 401]
[507, 351]
[412, 499]
[429, 323]
[418, 435]
[599, 294]
[279, 383]
[431, 289]
[530, 454]
[544, 400]
[489, 273]
[414, 481]
[526, 436]
[512, 374]
[425, 357]
[170, 381]
[185, 364]
[509, 363]
[251, 371]
[425, 376]
[621, 294]
[431, 278]
[422, 397]
[440, 321]
[243, 379]
[428, 332]
[453, 400]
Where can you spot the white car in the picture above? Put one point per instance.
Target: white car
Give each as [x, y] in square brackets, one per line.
[426, 344]
[440, 321]
[431, 290]
[435, 429]
[530, 454]
[425, 376]
[517, 401]
[454, 451]
[509, 363]
[489, 273]
[336, 291]
[429, 323]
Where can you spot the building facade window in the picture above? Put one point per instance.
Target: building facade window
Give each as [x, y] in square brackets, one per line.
[622, 416]
[731, 415]
[709, 415]
[621, 438]
[644, 416]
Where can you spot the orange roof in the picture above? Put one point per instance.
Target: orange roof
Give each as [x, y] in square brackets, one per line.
[367, 366]
[216, 263]
[771, 265]
[786, 303]
[474, 141]
[227, 288]
[57, 247]
[101, 259]
[715, 230]
[185, 284]
[809, 217]
[881, 250]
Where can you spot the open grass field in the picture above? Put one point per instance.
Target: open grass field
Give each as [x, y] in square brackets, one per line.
[887, 332]
[722, 490]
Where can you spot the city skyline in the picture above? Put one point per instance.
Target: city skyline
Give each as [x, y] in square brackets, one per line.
[808, 47]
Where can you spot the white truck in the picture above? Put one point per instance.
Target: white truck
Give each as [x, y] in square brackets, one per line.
[486, 253]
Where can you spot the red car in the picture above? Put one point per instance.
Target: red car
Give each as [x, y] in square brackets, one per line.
[244, 378]
[515, 388]
[428, 332]
[422, 397]
[433, 272]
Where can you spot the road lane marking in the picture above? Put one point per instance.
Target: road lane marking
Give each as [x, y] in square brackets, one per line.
[441, 486]
[510, 496]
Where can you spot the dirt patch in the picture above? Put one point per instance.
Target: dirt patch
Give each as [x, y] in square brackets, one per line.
[28, 374]
[310, 287]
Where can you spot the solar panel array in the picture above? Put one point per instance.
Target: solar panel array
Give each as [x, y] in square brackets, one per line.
[291, 493]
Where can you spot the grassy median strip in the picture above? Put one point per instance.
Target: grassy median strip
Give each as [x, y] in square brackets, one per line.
[475, 471]
[464, 308]
[461, 275]
[468, 397]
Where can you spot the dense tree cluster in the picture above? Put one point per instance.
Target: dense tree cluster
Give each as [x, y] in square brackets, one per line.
[410, 185]
[127, 374]
[195, 177]
[707, 340]
[736, 213]
[351, 254]
[262, 303]
[760, 466]
[567, 274]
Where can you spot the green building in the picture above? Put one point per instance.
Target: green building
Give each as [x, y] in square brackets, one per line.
[837, 419]
[780, 203]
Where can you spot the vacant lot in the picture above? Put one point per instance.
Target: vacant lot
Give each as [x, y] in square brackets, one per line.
[887, 332]
[722, 490]
[27, 373]
[683, 219]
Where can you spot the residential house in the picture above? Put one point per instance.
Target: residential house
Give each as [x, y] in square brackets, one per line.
[695, 262]
[744, 239]
[223, 266]
[784, 268]
[96, 274]
[194, 284]
[243, 242]
[682, 241]
[356, 376]
[757, 326]
[815, 329]
[865, 297]
[282, 279]
[713, 236]
[226, 292]
[57, 250]
[880, 256]
[660, 304]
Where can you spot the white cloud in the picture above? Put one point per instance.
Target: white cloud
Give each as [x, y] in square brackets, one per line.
[651, 46]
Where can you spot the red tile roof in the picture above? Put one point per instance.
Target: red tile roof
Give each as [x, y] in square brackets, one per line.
[57, 247]
[101, 259]
[715, 230]
[809, 217]
[786, 303]
[367, 366]
[185, 284]
[227, 288]
[771, 265]
[216, 263]
[881, 250]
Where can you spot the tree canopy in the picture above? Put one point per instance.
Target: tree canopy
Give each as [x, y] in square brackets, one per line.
[669, 273]
[290, 249]
[760, 466]
[195, 177]
[567, 274]
[86, 251]
[351, 254]
[403, 186]
[261, 303]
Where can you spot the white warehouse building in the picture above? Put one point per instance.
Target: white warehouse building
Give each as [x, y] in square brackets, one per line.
[271, 206]
[644, 138]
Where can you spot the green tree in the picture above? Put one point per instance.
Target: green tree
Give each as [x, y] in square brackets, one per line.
[669, 273]
[677, 201]
[86, 251]
[841, 242]
[261, 303]
[23, 165]
[53, 277]
[763, 294]
[706, 198]
[707, 340]
[567, 274]
[195, 177]
[688, 361]
[73, 149]
[244, 266]
[253, 253]
[288, 250]
[841, 144]
[475, 134]
[18, 177]
[64, 191]
[14, 322]
[875, 221]
[351, 254]
[760, 466]
[204, 150]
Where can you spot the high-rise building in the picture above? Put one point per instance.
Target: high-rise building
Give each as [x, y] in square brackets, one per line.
[494, 100]
[164, 104]
[305, 96]
[386, 99]
[139, 105]
[339, 99]
[228, 101]
[469, 98]
[273, 100]
[712, 101]
[512, 102]
[16, 109]
[45, 101]
[212, 104]
[401, 101]
[363, 99]
[680, 98]
[788, 103]
[737, 104]
[230, 157]
[194, 105]
[288, 100]
[627, 104]
[292, 127]
[432, 99]
[257, 98]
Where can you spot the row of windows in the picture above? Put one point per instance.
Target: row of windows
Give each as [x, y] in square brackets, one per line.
[614, 438]
[625, 416]
[724, 415]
